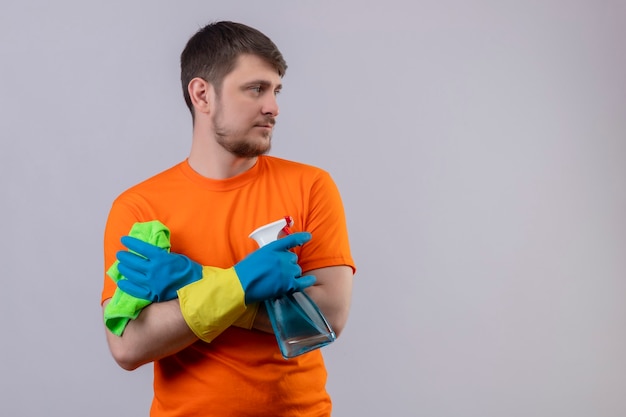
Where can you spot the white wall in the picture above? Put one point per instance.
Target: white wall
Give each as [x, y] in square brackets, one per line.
[480, 147]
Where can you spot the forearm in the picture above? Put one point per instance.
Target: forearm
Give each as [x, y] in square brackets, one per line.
[262, 320]
[159, 331]
[332, 293]
[335, 310]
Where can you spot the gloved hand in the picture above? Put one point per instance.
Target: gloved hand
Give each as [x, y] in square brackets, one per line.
[153, 273]
[224, 296]
[273, 270]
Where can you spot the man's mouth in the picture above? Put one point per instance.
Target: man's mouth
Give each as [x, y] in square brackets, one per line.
[268, 124]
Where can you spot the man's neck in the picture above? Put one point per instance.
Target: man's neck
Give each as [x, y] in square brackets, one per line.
[211, 160]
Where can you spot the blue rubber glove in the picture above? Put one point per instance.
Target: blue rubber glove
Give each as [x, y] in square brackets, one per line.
[273, 270]
[153, 273]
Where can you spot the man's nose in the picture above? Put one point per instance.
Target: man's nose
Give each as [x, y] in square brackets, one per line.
[270, 106]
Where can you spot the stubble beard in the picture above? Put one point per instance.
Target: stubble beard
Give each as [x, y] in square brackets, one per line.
[236, 142]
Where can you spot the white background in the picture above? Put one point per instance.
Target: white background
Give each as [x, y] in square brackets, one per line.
[480, 148]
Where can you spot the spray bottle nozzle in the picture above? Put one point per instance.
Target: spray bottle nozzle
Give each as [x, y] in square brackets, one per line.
[270, 232]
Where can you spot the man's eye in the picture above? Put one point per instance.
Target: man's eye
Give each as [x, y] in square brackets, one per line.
[257, 89]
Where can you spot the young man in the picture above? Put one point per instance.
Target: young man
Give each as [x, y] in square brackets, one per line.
[199, 284]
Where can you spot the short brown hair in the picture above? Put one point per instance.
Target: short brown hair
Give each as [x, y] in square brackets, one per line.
[211, 53]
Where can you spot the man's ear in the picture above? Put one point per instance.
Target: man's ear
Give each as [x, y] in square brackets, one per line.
[201, 95]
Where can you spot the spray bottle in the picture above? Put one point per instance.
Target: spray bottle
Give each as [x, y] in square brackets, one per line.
[298, 323]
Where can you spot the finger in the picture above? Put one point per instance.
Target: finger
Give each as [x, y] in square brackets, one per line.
[139, 246]
[293, 270]
[132, 274]
[131, 288]
[133, 261]
[304, 282]
[290, 257]
[290, 241]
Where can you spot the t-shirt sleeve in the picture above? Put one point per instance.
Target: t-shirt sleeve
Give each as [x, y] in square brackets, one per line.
[122, 216]
[326, 221]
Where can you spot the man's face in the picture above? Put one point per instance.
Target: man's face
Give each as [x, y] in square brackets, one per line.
[246, 109]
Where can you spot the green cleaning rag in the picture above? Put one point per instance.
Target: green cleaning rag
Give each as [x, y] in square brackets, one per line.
[124, 307]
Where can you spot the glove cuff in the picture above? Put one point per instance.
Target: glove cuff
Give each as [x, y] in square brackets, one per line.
[213, 303]
[246, 320]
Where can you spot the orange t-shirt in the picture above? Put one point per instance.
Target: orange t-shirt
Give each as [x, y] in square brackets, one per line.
[242, 371]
